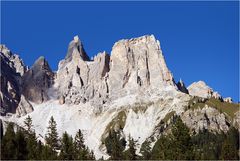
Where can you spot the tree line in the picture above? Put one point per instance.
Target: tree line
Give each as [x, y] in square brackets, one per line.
[178, 144]
[22, 144]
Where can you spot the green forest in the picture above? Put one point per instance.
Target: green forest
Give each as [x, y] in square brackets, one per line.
[23, 144]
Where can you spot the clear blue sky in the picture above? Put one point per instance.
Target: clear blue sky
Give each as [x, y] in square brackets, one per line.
[199, 39]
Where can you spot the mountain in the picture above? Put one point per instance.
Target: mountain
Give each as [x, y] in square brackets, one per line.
[12, 70]
[131, 90]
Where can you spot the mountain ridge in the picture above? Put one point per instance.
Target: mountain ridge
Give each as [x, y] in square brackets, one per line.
[92, 95]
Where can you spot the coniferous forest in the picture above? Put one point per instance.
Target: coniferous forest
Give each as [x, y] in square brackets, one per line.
[22, 144]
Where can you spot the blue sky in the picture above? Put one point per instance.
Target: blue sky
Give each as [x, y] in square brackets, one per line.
[200, 40]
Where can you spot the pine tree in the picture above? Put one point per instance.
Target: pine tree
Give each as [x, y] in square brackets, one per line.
[146, 150]
[174, 146]
[206, 145]
[81, 152]
[52, 135]
[79, 147]
[115, 145]
[228, 151]
[21, 145]
[91, 156]
[181, 141]
[8, 148]
[31, 139]
[32, 146]
[1, 130]
[66, 147]
[230, 145]
[131, 152]
[79, 140]
[28, 124]
[39, 150]
[162, 149]
[48, 153]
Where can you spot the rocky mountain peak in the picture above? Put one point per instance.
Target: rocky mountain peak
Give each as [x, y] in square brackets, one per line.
[41, 64]
[13, 60]
[138, 63]
[76, 50]
[201, 89]
[4, 50]
[37, 80]
[12, 69]
[228, 99]
[181, 86]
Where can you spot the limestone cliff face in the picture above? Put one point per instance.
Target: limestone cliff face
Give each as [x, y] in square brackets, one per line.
[137, 63]
[37, 80]
[12, 68]
[13, 60]
[201, 89]
[206, 118]
[79, 79]
[134, 64]
[24, 107]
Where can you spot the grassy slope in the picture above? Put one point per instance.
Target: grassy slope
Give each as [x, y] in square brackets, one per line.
[228, 108]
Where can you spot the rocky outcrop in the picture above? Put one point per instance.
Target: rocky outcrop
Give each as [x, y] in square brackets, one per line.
[134, 64]
[12, 68]
[236, 120]
[24, 107]
[228, 99]
[200, 89]
[81, 80]
[14, 61]
[181, 87]
[37, 80]
[137, 64]
[206, 118]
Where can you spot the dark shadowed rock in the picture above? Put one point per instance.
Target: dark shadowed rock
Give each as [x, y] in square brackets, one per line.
[76, 47]
[37, 81]
[181, 87]
[12, 68]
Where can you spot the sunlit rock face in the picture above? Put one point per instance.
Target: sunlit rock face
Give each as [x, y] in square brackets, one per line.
[134, 65]
[24, 107]
[79, 79]
[201, 89]
[137, 63]
[206, 118]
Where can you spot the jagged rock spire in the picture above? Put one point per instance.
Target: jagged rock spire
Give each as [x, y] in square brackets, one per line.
[37, 81]
[12, 68]
[181, 86]
[13, 60]
[41, 64]
[76, 47]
